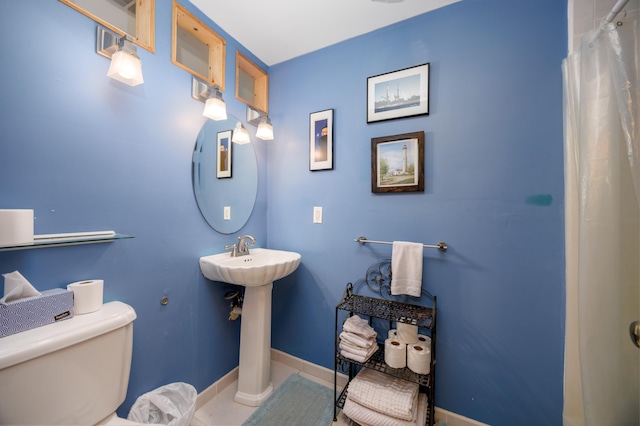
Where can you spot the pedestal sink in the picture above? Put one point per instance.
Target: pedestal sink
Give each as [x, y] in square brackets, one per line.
[256, 271]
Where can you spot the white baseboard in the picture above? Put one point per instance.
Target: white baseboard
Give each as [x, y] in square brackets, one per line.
[305, 367]
[209, 393]
[447, 418]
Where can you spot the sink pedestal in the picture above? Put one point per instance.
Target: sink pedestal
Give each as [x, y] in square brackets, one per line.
[254, 375]
[256, 272]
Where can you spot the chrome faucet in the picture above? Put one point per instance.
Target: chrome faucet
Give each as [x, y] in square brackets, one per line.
[243, 246]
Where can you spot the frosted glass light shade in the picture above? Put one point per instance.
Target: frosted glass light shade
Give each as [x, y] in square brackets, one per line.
[215, 109]
[240, 135]
[265, 130]
[126, 67]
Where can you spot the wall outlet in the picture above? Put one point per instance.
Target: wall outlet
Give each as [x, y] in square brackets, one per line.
[317, 215]
[227, 212]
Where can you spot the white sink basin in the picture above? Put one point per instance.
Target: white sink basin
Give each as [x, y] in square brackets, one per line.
[261, 267]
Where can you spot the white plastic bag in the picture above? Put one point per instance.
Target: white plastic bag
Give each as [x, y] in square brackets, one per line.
[173, 404]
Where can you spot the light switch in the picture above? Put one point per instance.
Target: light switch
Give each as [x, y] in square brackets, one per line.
[317, 215]
[227, 212]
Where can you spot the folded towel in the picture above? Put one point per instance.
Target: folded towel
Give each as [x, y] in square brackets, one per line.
[359, 357]
[385, 394]
[356, 340]
[356, 325]
[406, 268]
[356, 350]
[367, 417]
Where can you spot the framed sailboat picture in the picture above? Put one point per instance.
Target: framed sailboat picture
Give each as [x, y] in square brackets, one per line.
[398, 94]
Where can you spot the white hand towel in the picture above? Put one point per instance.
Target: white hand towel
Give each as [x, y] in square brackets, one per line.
[359, 326]
[406, 268]
[357, 357]
[357, 350]
[356, 340]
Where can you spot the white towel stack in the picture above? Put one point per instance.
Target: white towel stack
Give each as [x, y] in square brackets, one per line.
[358, 339]
[375, 398]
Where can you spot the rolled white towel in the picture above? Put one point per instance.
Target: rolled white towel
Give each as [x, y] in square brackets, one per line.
[356, 325]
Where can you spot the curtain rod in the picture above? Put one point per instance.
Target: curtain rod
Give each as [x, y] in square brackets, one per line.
[610, 17]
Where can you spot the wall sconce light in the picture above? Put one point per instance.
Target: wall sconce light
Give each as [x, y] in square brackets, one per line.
[265, 129]
[240, 135]
[126, 66]
[256, 118]
[214, 106]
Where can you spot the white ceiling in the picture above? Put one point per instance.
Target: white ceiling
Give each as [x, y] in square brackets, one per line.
[278, 30]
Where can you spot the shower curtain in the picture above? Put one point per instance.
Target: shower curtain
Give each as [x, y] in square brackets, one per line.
[602, 199]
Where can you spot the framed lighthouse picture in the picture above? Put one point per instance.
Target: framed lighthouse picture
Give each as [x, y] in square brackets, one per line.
[397, 163]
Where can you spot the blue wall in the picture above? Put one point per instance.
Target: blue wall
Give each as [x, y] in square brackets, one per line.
[493, 192]
[88, 153]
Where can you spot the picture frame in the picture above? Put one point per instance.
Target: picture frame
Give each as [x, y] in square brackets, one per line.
[224, 155]
[397, 163]
[398, 94]
[321, 140]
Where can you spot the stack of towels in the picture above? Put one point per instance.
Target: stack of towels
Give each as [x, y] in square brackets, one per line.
[358, 339]
[374, 398]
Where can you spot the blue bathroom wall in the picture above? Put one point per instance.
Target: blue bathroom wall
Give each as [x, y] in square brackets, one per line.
[493, 193]
[88, 153]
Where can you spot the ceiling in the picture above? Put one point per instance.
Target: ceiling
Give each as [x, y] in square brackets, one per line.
[279, 30]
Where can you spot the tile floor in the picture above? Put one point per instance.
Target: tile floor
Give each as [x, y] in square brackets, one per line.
[222, 410]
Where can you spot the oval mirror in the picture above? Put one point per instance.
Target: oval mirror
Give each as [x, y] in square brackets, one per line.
[225, 176]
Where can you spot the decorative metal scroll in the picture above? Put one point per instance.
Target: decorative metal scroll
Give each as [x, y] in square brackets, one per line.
[377, 282]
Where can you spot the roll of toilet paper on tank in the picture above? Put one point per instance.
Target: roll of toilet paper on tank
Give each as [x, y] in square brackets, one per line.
[393, 334]
[87, 296]
[419, 359]
[407, 333]
[395, 353]
[16, 227]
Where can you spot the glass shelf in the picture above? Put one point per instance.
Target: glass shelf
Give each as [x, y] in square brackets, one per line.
[76, 238]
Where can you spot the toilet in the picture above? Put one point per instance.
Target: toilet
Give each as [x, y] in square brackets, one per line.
[74, 372]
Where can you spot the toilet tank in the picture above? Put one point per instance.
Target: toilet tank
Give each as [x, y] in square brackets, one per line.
[74, 372]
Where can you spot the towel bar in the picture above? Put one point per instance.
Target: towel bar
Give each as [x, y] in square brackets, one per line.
[442, 246]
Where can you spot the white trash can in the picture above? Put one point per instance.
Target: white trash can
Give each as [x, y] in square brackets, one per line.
[173, 404]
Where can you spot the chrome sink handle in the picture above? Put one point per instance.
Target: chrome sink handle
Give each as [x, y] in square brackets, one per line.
[233, 248]
[243, 246]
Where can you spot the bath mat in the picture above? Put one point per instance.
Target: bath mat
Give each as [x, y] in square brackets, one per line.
[298, 401]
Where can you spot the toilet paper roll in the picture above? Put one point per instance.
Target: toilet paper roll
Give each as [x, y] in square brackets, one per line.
[419, 359]
[393, 334]
[395, 353]
[16, 227]
[407, 333]
[87, 296]
[424, 340]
